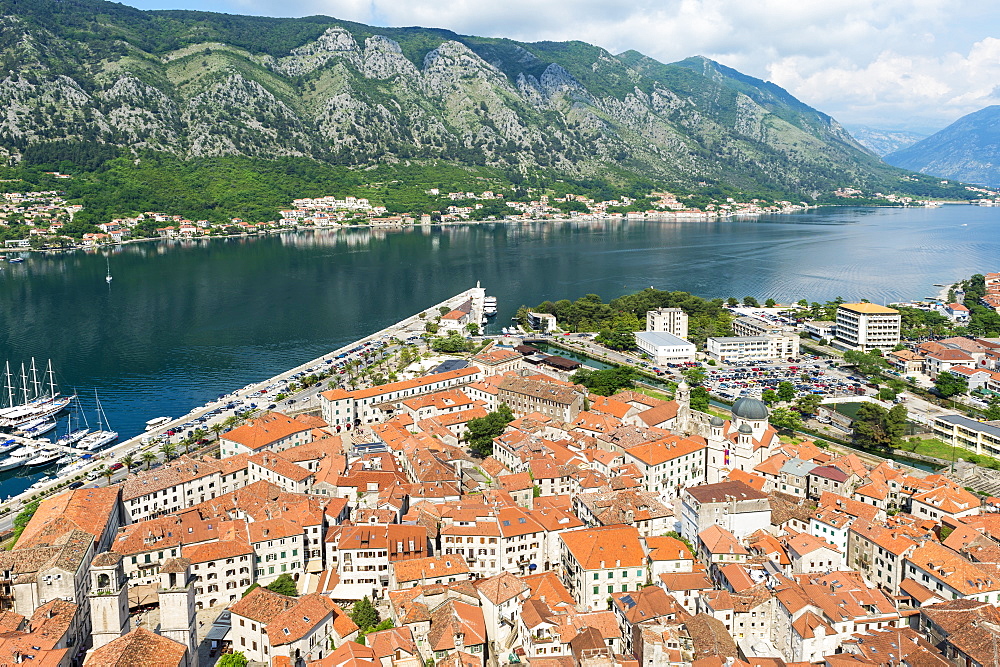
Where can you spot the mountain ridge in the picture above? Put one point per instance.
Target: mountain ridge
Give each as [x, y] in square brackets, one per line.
[199, 85]
[967, 150]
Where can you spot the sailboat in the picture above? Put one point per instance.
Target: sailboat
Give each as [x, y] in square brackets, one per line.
[35, 404]
[107, 278]
[100, 437]
[73, 436]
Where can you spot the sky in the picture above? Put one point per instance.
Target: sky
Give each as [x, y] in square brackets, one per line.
[914, 65]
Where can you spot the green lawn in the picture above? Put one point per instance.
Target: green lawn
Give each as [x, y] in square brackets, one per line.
[939, 449]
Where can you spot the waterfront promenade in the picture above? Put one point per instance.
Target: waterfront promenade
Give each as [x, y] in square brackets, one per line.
[149, 441]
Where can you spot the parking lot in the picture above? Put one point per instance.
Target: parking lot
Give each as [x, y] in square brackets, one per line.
[809, 375]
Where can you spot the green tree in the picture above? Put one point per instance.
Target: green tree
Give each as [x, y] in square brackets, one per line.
[605, 382]
[695, 375]
[784, 418]
[769, 396]
[364, 614]
[284, 585]
[887, 394]
[732, 302]
[452, 343]
[619, 338]
[770, 303]
[168, 450]
[808, 404]
[472, 328]
[148, 458]
[128, 461]
[876, 428]
[23, 518]
[479, 433]
[234, 659]
[700, 399]
[870, 364]
[750, 302]
[992, 411]
[786, 392]
[948, 384]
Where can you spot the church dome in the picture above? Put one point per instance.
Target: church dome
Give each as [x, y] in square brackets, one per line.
[745, 429]
[717, 421]
[749, 408]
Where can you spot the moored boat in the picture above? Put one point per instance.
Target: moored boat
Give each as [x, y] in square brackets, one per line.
[157, 422]
[44, 458]
[490, 306]
[19, 458]
[100, 437]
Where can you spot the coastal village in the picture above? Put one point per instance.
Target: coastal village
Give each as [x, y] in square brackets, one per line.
[45, 214]
[601, 531]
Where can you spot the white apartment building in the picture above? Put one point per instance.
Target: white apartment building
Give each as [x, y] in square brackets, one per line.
[181, 483]
[277, 544]
[341, 407]
[867, 326]
[273, 432]
[266, 625]
[597, 562]
[742, 349]
[668, 320]
[222, 571]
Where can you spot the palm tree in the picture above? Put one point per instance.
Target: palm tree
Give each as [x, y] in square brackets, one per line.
[199, 434]
[128, 461]
[107, 473]
[216, 428]
[186, 444]
[148, 458]
[168, 450]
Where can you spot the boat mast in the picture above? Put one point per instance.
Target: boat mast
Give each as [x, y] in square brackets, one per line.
[100, 412]
[79, 408]
[24, 384]
[10, 384]
[52, 381]
[35, 384]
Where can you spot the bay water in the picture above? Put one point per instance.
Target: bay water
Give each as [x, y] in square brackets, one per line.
[185, 321]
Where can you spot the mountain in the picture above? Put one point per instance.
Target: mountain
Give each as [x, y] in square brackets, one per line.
[87, 79]
[967, 150]
[882, 142]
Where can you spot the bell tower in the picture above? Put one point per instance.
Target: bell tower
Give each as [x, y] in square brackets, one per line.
[108, 599]
[177, 612]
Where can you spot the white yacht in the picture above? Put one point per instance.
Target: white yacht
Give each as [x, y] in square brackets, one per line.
[490, 306]
[45, 457]
[19, 458]
[157, 422]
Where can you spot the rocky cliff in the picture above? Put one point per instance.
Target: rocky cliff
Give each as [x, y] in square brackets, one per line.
[195, 84]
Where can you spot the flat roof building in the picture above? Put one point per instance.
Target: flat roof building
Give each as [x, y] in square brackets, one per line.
[867, 326]
[741, 349]
[665, 348]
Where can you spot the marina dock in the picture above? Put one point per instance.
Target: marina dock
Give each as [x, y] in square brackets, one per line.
[410, 326]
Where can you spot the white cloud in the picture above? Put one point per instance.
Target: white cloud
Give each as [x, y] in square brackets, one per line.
[889, 63]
